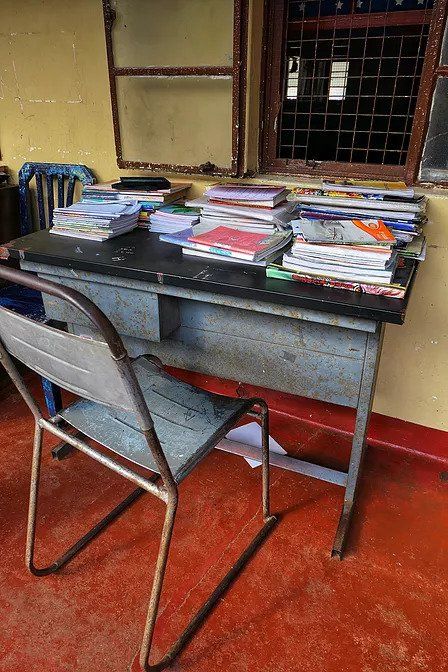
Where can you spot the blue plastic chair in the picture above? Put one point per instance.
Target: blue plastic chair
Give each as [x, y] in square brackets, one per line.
[28, 302]
[66, 175]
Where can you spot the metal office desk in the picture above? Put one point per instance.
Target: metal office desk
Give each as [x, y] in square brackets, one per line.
[230, 321]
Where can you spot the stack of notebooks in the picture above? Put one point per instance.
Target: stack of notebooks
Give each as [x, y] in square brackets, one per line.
[172, 218]
[230, 244]
[392, 202]
[149, 201]
[95, 221]
[357, 255]
[254, 208]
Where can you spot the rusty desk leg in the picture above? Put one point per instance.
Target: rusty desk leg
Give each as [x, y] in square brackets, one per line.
[366, 393]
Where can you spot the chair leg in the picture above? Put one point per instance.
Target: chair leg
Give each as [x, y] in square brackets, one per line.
[53, 397]
[265, 460]
[201, 615]
[53, 402]
[32, 511]
[34, 487]
[157, 585]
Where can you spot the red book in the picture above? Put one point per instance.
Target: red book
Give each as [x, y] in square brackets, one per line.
[238, 241]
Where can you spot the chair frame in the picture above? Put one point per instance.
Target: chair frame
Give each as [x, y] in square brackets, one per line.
[50, 172]
[162, 485]
[70, 172]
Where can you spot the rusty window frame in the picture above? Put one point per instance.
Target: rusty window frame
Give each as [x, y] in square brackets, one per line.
[236, 71]
[274, 36]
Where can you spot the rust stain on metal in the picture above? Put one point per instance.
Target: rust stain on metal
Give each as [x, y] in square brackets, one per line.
[184, 71]
[4, 252]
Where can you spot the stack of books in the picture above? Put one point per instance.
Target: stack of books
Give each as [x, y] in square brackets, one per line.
[149, 201]
[95, 221]
[254, 208]
[392, 202]
[230, 244]
[357, 255]
[254, 195]
[171, 219]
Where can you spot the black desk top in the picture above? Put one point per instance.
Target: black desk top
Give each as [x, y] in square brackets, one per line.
[141, 256]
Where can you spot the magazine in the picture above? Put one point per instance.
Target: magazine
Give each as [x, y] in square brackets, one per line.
[395, 290]
[344, 231]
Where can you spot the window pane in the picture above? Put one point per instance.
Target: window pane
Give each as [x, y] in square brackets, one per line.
[292, 85]
[173, 32]
[434, 166]
[350, 88]
[184, 121]
[338, 80]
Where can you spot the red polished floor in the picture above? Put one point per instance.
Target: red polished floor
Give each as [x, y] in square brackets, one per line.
[383, 609]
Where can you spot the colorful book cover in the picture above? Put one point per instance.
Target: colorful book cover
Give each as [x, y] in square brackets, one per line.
[182, 238]
[238, 241]
[179, 210]
[370, 186]
[325, 212]
[304, 191]
[396, 290]
[362, 201]
[345, 231]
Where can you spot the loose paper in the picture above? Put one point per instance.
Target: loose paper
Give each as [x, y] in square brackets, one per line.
[251, 434]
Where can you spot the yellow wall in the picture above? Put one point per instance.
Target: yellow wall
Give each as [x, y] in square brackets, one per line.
[55, 106]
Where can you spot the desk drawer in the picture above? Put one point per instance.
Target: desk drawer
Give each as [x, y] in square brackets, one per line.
[133, 312]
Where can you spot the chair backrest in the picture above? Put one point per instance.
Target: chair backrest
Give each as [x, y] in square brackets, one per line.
[99, 370]
[66, 175]
[77, 364]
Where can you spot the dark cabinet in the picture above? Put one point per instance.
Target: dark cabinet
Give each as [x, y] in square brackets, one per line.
[9, 213]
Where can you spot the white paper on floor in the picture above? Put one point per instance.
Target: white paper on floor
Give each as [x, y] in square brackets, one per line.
[251, 434]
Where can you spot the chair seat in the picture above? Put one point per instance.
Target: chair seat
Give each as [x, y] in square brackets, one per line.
[188, 421]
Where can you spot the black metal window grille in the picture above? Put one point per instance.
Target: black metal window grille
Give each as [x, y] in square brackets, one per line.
[351, 76]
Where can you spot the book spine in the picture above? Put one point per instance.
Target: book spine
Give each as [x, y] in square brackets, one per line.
[208, 248]
[226, 249]
[243, 204]
[264, 214]
[223, 252]
[391, 292]
[405, 226]
[363, 204]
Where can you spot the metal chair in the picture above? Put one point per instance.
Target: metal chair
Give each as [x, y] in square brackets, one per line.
[139, 412]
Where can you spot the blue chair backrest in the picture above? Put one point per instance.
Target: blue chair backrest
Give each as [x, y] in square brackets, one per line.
[66, 175]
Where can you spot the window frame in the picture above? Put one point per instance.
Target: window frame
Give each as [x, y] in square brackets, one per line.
[274, 36]
[237, 71]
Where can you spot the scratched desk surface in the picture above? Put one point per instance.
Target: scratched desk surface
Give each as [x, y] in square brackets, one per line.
[142, 256]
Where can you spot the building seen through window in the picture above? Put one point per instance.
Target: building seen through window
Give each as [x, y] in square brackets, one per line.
[353, 74]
